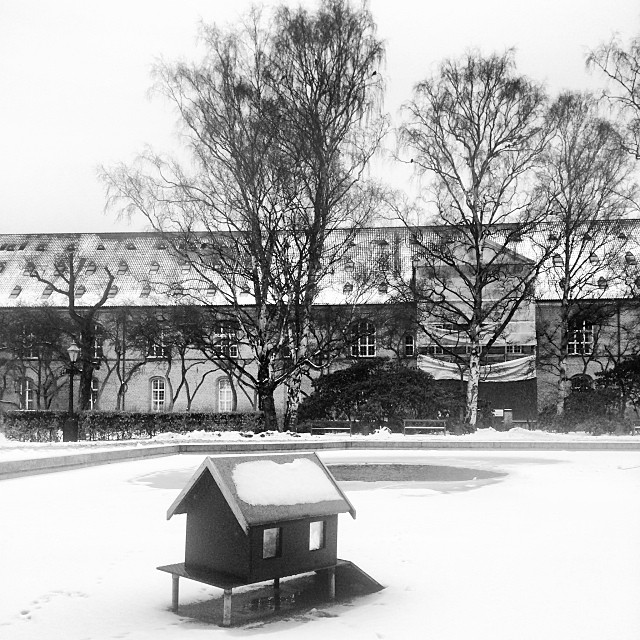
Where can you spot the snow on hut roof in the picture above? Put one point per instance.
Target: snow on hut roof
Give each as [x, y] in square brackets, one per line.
[265, 488]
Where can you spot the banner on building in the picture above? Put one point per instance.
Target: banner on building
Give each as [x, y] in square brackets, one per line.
[510, 371]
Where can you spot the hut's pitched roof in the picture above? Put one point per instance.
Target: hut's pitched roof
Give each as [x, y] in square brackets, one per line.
[265, 488]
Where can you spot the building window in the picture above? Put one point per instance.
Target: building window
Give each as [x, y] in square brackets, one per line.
[272, 543]
[347, 289]
[225, 341]
[158, 394]
[113, 291]
[98, 351]
[16, 292]
[123, 267]
[225, 396]
[580, 338]
[90, 269]
[316, 535]
[154, 267]
[145, 292]
[581, 382]
[157, 348]
[514, 349]
[28, 395]
[434, 350]
[363, 340]
[93, 400]
[409, 345]
[29, 347]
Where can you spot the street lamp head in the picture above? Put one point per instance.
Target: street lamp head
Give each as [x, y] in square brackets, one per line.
[73, 352]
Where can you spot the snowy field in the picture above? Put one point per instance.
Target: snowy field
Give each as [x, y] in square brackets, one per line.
[549, 551]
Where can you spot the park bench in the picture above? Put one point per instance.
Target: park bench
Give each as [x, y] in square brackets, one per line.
[325, 430]
[428, 426]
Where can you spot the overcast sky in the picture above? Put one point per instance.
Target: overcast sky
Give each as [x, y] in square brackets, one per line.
[74, 77]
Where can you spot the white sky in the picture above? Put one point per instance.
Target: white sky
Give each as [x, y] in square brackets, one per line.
[74, 76]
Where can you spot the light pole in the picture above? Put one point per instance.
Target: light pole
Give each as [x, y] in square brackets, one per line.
[70, 430]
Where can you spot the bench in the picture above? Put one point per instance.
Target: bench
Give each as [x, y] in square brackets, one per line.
[429, 426]
[324, 430]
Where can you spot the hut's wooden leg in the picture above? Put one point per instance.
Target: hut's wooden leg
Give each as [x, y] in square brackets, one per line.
[276, 592]
[331, 579]
[226, 608]
[175, 589]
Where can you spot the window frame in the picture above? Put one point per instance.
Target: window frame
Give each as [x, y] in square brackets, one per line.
[158, 395]
[27, 395]
[363, 339]
[224, 383]
[271, 550]
[580, 338]
[321, 538]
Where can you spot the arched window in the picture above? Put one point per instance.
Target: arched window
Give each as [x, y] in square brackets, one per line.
[27, 395]
[581, 382]
[158, 394]
[225, 395]
[363, 340]
[93, 400]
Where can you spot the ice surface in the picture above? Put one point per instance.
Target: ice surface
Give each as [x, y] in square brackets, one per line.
[550, 552]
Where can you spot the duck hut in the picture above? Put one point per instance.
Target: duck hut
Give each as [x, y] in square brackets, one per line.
[258, 517]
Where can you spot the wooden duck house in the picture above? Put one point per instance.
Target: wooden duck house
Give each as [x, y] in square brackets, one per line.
[258, 517]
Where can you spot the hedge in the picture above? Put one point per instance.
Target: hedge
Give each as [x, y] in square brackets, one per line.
[46, 426]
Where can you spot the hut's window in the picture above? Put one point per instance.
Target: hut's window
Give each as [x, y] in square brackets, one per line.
[316, 535]
[158, 394]
[272, 543]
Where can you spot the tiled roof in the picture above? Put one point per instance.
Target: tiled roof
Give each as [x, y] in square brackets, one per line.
[147, 274]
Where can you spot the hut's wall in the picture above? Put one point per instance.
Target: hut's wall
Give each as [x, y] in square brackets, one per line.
[295, 556]
[214, 541]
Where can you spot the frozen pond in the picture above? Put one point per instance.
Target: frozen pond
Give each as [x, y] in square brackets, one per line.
[522, 545]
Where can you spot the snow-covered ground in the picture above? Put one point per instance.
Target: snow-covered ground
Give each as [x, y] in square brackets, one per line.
[15, 450]
[549, 551]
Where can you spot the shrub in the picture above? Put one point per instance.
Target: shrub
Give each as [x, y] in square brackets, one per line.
[375, 391]
[45, 426]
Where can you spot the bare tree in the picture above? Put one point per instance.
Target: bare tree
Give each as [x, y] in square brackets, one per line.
[587, 179]
[476, 130]
[621, 67]
[279, 122]
[64, 277]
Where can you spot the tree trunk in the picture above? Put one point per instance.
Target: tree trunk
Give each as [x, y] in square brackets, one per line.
[268, 406]
[562, 386]
[473, 383]
[294, 383]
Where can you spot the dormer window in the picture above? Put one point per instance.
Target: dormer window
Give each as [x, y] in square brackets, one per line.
[80, 291]
[29, 269]
[113, 292]
[41, 247]
[100, 247]
[629, 258]
[10, 247]
[17, 290]
[22, 247]
[123, 267]
[602, 283]
[349, 267]
[382, 287]
[348, 288]
[211, 291]
[161, 245]
[71, 247]
[48, 290]
[3, 266]
[154, 267]
[131, 246]
[146, 290]
[91, 269]
[185, 267]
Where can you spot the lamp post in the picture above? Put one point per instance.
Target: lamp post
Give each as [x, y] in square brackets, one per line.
[70, 430]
